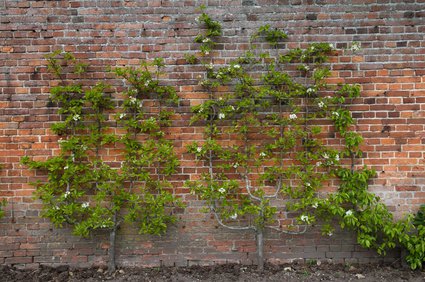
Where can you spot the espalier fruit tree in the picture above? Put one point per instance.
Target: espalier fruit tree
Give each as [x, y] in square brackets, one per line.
[267, 146]
[83, 189]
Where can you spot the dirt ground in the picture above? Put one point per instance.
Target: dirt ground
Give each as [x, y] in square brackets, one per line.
[230, 272]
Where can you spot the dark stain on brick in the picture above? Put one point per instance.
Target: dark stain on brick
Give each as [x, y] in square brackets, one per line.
[52, 19]
[409, 14]
[362, 30]
[370, 101]
[386, 128]
[311, 17]
[350, 31]
[248, 3]
[402, 44]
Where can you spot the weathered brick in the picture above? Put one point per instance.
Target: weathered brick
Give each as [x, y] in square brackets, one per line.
[389, 68]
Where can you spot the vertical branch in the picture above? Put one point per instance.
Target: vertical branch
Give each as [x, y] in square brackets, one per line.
[160, 176]
[281, 162]
[306, 111]
[98, 131]
[210, 136]
[112, 244]
[260, 248]
[246, 152]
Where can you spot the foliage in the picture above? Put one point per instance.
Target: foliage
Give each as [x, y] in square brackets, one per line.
[143, 123]
[2, 204]
[248, 174]
[272, 36]
[420, 217]
[84, 190]
[213, 29]
[79, 181]
[252, 181]
[266, 148]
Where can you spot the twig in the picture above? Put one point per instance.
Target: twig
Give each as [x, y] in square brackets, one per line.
[288, 231]
[228, 226]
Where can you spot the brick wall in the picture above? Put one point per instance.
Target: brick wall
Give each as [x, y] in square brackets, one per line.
[390, 69]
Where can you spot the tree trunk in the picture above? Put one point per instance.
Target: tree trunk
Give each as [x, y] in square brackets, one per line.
[260, 249]
[112, 266]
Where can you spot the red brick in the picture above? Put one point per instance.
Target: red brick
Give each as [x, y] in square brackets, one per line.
[389, 68]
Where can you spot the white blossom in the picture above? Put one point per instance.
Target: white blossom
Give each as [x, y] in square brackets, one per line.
[330, 234]
[206, 40]
[133, 100]
[237, 66]
[310, 90]
[236, 165]
[210, 66]
[315, 205]
[147, 83]
[56, 208]
[65, 167]
[331, 45]
[85, 205]
[222, 190]
[308, 184]
[122, 115]
[355, 46]
[325, 156]
[304, 218]
[221, 116]
[337, 158]
[292, 116]
[234, 216]
[320, 104]
[76, 117]
[67, 193]
[233, 108]
[262, 154]
[349, 213]
[318, 163]
[336, 114]
[207, 52]
[199, 149]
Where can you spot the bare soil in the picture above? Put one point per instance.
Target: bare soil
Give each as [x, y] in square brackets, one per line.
[221, 273]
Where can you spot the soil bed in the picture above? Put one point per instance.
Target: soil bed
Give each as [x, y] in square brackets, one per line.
[221, 273]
